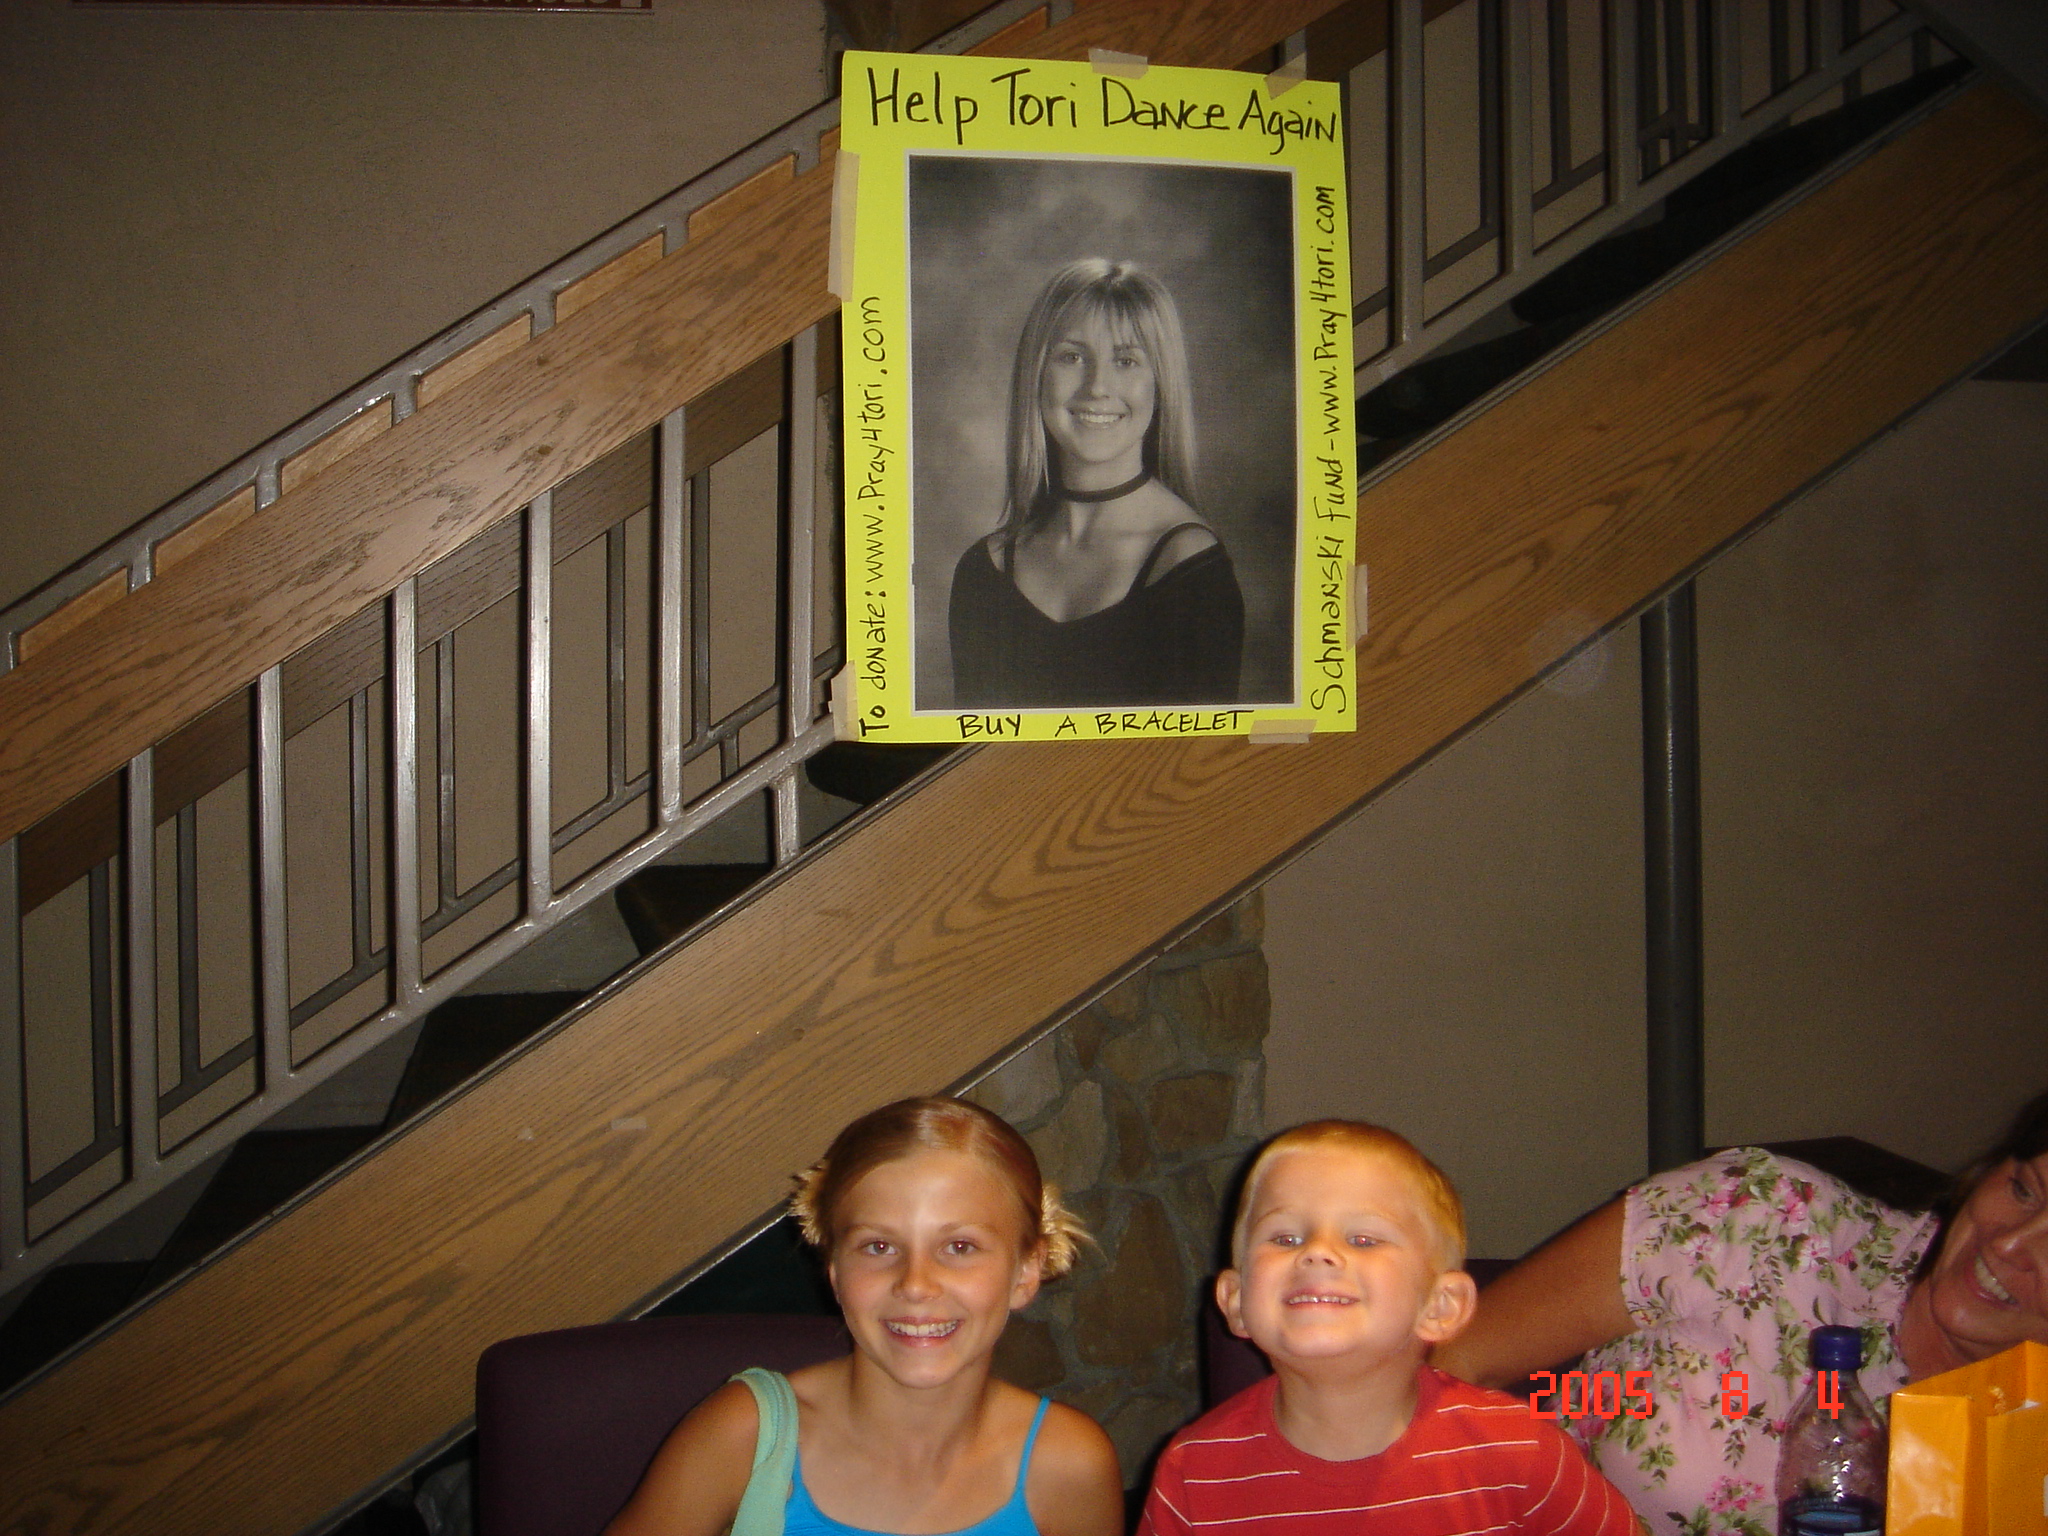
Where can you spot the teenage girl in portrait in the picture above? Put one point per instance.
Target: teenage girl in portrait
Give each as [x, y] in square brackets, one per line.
[1102, 585]
[935, 1226]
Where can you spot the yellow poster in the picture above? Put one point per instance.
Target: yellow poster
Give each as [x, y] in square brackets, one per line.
[1099, 461]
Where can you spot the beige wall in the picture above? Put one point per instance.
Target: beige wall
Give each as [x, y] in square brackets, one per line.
[1876, 664]
[215, 221]
[1464, 960]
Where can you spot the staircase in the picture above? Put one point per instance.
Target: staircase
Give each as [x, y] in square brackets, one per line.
[653, 1120]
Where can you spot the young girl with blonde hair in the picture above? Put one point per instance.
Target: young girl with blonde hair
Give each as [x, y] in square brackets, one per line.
[935, 1225]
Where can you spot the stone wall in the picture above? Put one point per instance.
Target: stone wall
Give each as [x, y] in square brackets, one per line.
[1142, 1108]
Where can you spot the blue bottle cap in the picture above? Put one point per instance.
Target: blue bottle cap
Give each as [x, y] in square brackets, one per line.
[1838, 1349]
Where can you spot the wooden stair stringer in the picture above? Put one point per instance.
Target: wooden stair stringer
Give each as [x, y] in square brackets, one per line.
[326, 1349]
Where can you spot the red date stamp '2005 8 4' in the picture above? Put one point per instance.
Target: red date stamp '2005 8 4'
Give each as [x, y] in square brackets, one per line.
[1608, 1395]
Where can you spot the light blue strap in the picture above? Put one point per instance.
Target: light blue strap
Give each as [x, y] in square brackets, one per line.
[761, 1507]
[1030, 1442]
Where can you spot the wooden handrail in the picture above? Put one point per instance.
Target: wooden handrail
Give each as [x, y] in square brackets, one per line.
[200, 757]
[175, 647]
[309, 1361]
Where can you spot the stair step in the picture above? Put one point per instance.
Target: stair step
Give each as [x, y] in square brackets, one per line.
[62, 1308]
[265, 1170]
[664, 900]
[466, 1034]
[864, 772]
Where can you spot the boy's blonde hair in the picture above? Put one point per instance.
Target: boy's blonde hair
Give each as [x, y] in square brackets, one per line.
[908, 1126]
[1440, 1202]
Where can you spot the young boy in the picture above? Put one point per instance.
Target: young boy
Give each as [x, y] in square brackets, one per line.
[1347, 1255]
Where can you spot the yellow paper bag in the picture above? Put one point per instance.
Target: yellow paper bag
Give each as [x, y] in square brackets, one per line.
[1969, 1450]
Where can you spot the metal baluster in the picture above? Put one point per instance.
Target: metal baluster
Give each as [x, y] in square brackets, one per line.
[670, 573]
[1518, 197]
[447, 881]
[273, 977]
[1406, 222]
[1671, 881]
[1558, 19]
[1726, 66]
[138, 862]
[1647, 78]
[800, 419]
[1827, 41]
[1624, 145]
[186, 843]
[700, 619]
[361, 934]
[13, 1080]
[1826, 27]
[538, 662]
[798, 703]
[1677, 95]
[402, 668]
[1699, 126]
[100, 949]
[615, 660]
[1848, 30]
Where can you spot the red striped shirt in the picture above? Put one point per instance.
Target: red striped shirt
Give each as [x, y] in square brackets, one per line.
[1470, 1462]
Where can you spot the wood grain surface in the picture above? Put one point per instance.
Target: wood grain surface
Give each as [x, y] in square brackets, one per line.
[330, 1346]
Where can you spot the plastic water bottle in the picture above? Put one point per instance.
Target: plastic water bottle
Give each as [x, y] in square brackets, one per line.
[1831, 1463]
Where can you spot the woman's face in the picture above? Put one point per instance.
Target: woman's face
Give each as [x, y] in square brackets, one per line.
[928, 1264]
[1096, 394]
[1988, 1289]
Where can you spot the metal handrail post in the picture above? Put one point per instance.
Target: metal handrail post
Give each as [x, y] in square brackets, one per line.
[1674, 973]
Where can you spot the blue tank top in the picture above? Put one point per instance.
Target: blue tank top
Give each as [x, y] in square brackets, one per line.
[803, 1518]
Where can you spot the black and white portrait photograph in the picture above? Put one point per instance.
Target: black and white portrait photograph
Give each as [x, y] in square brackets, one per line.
[1103, 432]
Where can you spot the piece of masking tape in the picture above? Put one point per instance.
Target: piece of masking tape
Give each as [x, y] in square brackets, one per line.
[1287, 76]
[1273, 732]
[1107, 61]
[1357, 603]
[839, 690]
[845, 188]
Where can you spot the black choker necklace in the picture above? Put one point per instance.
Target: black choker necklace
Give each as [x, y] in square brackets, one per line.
[1110, 494]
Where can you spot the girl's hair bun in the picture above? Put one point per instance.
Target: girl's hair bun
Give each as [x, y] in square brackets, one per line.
[803, 1204]
[1060, 1233]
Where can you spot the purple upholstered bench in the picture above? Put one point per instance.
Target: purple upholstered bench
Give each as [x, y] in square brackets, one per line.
[568, 1421]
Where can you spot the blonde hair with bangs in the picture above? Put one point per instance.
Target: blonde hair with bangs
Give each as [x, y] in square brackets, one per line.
[909, 1126]
[1435, 1193]
[1136, 304]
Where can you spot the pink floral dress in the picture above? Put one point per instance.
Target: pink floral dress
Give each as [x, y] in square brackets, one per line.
[1727, 1266]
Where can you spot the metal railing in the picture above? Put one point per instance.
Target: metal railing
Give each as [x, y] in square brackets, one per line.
[1699, 79]
[188, 1028]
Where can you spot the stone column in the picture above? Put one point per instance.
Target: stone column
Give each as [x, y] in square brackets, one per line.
[1142, 1107]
